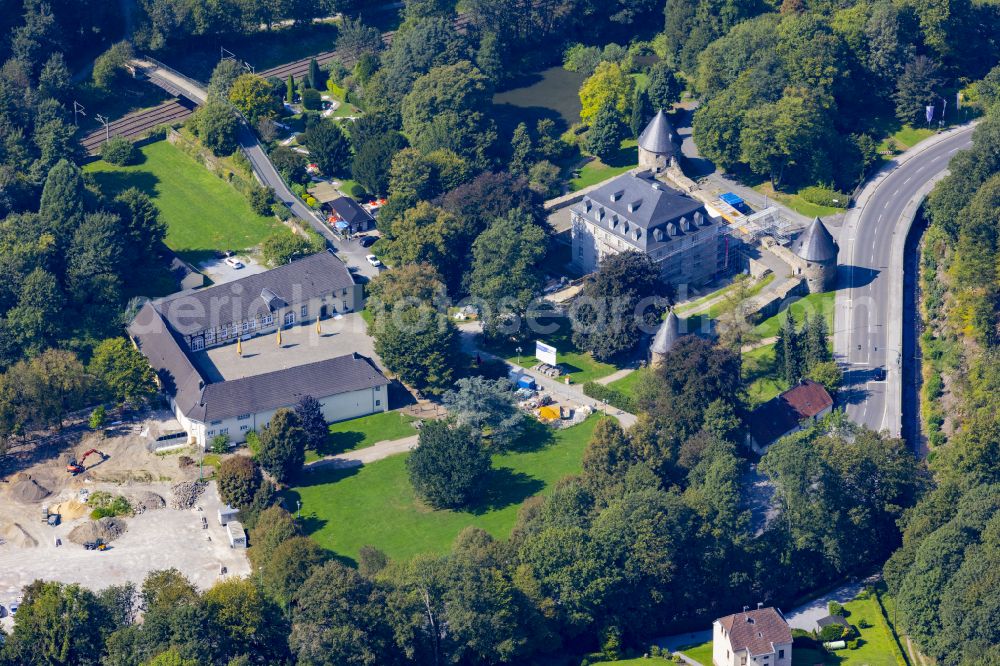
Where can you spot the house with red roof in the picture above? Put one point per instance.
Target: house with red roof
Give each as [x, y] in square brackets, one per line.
[798, 407]
[758, 637]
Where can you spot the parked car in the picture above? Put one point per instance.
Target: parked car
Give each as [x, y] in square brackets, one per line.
[233, 262]
[13, 609]
[373, 260]
[880, 374]
[367, 241]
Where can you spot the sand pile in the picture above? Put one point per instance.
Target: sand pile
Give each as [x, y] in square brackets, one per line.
[106, 529]
[70, 510]
[186, 494]
[144, 500]
[13, 534]
[27, 490]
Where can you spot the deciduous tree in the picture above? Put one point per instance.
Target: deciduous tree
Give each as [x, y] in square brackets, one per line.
[282, 446]
[450, 466]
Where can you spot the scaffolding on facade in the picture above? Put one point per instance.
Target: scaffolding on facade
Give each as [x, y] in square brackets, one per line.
[767, 222]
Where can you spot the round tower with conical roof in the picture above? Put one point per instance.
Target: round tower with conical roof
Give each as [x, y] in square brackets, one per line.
[665, 339]
[818, 251]
[658, 144]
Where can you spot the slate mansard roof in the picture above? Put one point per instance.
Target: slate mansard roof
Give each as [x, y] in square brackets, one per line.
[645, 212]
[191, 312]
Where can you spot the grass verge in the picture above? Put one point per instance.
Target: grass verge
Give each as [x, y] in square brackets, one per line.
[701, 653]
[806, 306]
[580, 366]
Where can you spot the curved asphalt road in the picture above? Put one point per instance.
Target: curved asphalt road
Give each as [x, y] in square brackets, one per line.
[870, 314]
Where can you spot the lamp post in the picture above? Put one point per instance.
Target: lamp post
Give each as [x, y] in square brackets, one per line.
[518, 350]
[298, 510]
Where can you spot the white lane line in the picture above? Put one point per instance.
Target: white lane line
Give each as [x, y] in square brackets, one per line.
[909, 179]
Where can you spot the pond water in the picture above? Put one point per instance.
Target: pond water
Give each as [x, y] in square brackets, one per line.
[551, 93]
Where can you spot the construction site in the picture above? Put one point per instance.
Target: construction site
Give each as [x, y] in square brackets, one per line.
[103, 509]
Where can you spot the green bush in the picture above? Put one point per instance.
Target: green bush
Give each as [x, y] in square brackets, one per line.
[118, 151]
[835, 608]
[106, 505]
[261, 200]
[311, 99]
[220, 444]
[609, 395]
[823, 196]
[358, 191]
[831, 632]
[864, 624]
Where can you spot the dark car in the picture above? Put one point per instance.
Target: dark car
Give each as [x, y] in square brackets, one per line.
[367, 241]
[880, 374]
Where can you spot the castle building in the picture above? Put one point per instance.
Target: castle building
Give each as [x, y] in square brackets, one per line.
[817, 251]
[664, 340]
[638, 212]
[658, 144]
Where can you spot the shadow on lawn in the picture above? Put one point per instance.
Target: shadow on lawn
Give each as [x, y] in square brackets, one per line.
[504, 488]
[113, 183]
[340, 442]
[534, 437]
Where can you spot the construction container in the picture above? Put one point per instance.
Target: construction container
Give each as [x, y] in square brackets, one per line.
[237, 535]
[227, 514]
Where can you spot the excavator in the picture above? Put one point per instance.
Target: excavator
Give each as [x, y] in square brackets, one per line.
[75, 467]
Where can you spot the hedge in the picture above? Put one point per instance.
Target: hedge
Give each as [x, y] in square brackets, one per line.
[615, 398]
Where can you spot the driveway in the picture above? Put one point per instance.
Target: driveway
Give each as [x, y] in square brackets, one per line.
[806, 615]
[219, 272]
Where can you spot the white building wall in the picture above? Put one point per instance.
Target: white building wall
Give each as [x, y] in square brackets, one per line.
[722, 654]
[340, 407]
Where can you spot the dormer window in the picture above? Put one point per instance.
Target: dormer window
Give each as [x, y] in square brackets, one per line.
[615, 196]
[586, 205]
[658, 235]
[614, 221]
[634, 206]
[600, 213]
[638, 233]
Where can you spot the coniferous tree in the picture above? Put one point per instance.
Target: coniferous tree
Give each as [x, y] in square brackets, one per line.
[641, 112]
[290, 89]
[315, 75]
[520, 159]
[791, 350]
[816, 348]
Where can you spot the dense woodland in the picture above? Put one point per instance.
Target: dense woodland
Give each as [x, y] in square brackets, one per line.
[654, 536]
[947, 567]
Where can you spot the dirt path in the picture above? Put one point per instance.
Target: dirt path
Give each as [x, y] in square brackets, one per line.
[369, 454]
[615, 376]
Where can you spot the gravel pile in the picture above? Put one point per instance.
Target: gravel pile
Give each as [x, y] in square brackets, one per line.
[106, 529]
[28, 490]
[186, 494]
[145, 500]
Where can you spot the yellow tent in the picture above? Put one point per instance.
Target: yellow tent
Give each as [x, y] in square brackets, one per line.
[549, 413]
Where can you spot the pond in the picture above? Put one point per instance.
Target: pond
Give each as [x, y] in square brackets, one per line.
[551, 93]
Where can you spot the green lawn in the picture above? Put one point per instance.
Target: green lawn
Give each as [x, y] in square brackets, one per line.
[797, 203]
[809, 305]
[760, 375]
[580, 366]
[375, 504]
[638, 661]
[203, 213]
[907, 137]
[628, 383]
[365, 431]
[700, 653]
[875, 646]
[596, 171]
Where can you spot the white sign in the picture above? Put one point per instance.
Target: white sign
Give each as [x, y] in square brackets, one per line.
[545, 353]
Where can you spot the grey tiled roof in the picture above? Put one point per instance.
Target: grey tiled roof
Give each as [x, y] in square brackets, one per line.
[350, 211]
[190, 312]
[667, 334]
[816, 243]
[658, 137]
[283, 388]
[158, 344]
[652, 202]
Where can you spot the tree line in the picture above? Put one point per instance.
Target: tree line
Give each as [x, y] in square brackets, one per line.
[630, 548]
[942, 575]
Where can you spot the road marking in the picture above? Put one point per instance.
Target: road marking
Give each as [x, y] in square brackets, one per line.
[909, 179]
[894, 193]
[879, 219]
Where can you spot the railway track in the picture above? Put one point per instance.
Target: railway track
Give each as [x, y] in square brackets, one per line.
[300, 68]
[136, 124]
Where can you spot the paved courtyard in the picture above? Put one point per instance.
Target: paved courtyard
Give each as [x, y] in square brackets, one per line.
[299, 345]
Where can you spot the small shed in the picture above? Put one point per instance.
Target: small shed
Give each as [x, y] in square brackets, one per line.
[237, 535]
[227, 514]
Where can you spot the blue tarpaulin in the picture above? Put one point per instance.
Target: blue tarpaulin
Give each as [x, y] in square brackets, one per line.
[342, 225]
[524, 381]
[731, 199]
